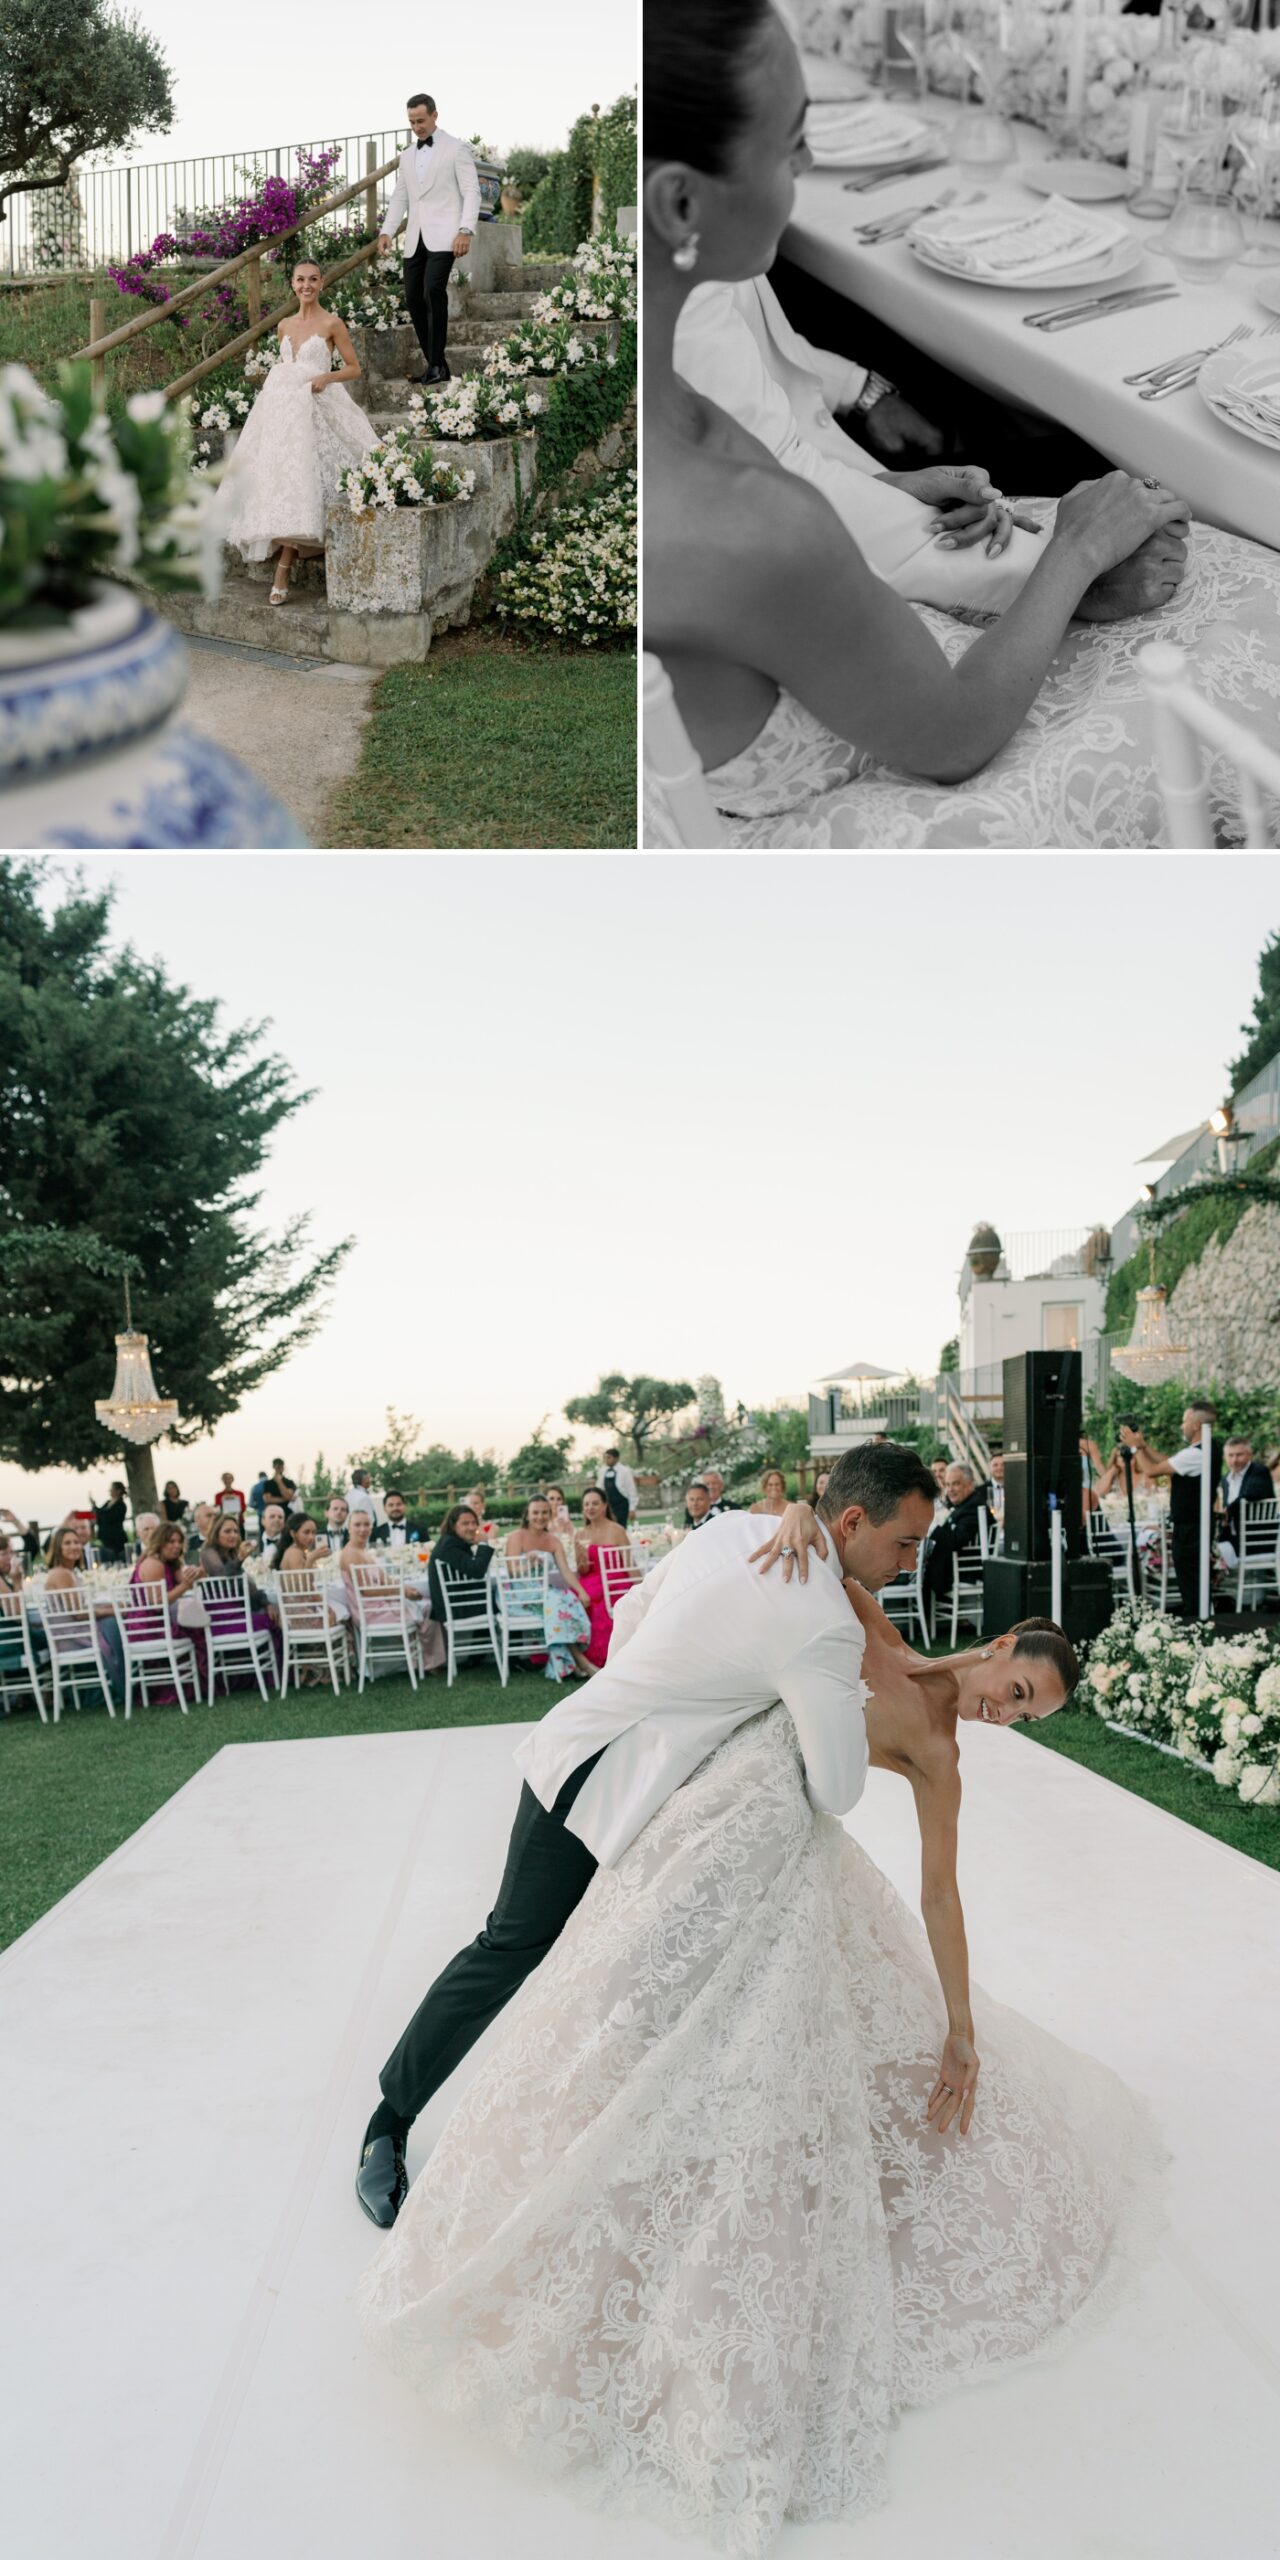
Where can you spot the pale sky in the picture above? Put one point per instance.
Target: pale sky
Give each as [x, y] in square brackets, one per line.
[714, 1113]
[249, 77]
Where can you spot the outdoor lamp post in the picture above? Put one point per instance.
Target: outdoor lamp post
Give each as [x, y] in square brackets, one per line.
[1232, 1141]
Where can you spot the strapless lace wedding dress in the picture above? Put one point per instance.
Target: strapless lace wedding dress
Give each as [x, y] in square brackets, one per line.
[295, 445]
[1081, 770]
[687, 2241]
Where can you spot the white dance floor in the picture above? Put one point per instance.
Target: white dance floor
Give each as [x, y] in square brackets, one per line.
[191, 2042]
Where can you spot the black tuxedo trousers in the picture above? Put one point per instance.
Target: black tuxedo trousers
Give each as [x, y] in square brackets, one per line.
[547, 1873]
[426, 294]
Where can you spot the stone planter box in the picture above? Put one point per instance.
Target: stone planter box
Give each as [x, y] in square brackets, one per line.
[495, 465]
[405, 566]
[497, 249]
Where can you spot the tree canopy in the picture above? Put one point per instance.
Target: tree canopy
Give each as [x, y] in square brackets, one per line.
[1262, 1034]
[133, 1122]
[76, 76]
[631, 1408]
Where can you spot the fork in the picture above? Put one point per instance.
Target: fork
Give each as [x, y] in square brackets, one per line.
[872, 234]
[1178, 368]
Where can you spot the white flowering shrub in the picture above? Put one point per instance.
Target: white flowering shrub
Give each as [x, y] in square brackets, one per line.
[1213, 1699]
[541, 348]
[600, 284]
[476, 404]
[400, 472]
[85, 497]
[575, 578]
[372, 298]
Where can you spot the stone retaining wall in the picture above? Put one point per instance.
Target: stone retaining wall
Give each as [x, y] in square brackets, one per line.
[1229, 1302]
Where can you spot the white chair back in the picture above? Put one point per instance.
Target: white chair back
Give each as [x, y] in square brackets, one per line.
[618, 1571]
[674, 773]
[1185, 726]
[232, 1641]
[156, 1653]
[385, 1631]
[468, 1618]
[75, 1651]
[1258, 1553]
[19, 1672]
[309, 1632]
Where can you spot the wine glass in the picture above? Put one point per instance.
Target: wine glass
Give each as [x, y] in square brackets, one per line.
[1256, 136]
[914, 22]
[1204, 235]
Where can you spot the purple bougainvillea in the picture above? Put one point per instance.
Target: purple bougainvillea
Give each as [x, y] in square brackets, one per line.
[276, 207]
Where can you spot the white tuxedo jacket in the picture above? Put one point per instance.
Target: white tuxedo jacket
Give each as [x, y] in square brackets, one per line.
[735, 344]
[704, 1642]
[437, 191]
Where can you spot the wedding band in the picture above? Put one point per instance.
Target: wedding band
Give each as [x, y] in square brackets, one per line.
[786, 1551]
[1151, 484]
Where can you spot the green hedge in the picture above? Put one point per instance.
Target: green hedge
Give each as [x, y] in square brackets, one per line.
[558, 214]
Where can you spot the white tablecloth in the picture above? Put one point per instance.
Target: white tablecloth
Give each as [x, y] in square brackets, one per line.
[1075, 375]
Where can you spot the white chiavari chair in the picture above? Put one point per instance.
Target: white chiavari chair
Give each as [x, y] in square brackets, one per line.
[156, 1652]
[386, 1632]
[232, 1641]
[1257, 1553]
[76, 1659]
[19, 1668]
[518, 1607]
[619, 1569]
[310, 1632]
[468, 1619]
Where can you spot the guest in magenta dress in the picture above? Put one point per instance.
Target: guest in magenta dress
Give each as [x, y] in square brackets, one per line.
[162, 1560]
[599, 1529]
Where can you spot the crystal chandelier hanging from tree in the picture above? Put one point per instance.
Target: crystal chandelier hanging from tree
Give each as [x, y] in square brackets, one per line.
[134, 1411]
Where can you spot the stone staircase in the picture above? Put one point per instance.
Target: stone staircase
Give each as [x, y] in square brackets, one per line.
[484, 307]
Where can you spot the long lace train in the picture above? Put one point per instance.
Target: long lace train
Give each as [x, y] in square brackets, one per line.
[687, 2240]
[296, 443]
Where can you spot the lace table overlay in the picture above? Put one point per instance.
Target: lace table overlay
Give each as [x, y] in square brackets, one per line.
[1080, 770]
[687, 2241]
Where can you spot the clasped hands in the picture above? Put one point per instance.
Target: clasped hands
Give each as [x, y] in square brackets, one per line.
[970, 509]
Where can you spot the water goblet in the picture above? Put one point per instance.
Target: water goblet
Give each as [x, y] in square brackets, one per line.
[1255, 135]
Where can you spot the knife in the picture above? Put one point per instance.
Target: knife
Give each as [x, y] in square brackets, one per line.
[1072, 314]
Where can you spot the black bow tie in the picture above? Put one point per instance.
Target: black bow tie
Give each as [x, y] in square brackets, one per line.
[425, 141]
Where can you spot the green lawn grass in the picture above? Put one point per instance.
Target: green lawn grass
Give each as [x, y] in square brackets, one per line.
[41, 325]
[70, 1796]
[496, 745]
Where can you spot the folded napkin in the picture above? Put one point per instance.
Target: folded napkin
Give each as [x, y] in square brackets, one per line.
[1011, 243]
[844, 131]
[1245, 392]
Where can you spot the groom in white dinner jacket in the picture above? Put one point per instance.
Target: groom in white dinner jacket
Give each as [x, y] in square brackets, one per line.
[437, 194]
[704, 1642]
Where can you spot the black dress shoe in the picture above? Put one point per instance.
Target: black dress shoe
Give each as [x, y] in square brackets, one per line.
[382, 2181]
[439, 373]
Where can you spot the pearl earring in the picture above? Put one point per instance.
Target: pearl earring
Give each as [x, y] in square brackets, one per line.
[986, 1653]
[686, 256]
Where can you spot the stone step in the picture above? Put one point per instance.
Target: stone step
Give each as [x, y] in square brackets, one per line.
[307, 575]
[500, 306]
[541, 278]
[307, 627]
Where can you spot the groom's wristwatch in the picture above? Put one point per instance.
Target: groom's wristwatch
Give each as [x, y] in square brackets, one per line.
[874, 389]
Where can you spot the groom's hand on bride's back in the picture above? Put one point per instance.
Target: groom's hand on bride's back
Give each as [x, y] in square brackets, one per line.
[797, 1531]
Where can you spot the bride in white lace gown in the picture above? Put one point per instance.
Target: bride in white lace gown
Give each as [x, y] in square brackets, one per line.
[302, 432]
[825, 710]
[708, 2216]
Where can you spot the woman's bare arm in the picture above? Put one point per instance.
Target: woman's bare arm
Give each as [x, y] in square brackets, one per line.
[937, 1792]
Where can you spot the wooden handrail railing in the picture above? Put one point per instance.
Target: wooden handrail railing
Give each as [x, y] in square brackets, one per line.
[100, 348]
[249, 337]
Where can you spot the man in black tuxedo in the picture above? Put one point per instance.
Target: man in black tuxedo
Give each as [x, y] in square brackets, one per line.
[1244, 1479]
[397, 1530]
[967, 1500]
[714, 1483]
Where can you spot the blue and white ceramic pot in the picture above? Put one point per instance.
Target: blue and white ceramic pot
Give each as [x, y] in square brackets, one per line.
[91, 749]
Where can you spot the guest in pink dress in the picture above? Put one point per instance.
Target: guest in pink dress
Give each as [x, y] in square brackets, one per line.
[599, 1529]
[163, 1560]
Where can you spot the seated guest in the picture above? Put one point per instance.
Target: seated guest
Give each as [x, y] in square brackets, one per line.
[967, 1500]
[995, 1489]
[229, 1497]
[110, 1520]
[64, 1571]
[224, 1553]
[714, 1483]
[299, 1550]
[826, 710]
[172, 1504]
[697, 1504]
[334, 1533]
[380, 1595]
[143, 1525]
[397, 1530]
[1244, 1479]
[459, 1548]
[599, 1531]
[201, 1529]
[566, 1614]
[13, 1563]
[773, 1493]
[273, 1525]
[478, 1499]
[163, 1559]
[561, 1515]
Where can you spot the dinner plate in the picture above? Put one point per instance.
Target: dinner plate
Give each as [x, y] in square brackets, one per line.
[831, 83]
[1266, 285]
[1233, 366]
[1082, 181]
[1119, 260]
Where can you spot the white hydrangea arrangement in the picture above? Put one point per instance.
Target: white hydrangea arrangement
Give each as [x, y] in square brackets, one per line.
[85, 497]
[577, 575]
[401, 472]
[600, 284]
[1215, 1700]
[541, 348]
[478, 404]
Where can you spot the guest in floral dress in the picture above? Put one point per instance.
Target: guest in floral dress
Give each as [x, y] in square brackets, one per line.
[599, 1529]
[565, 1612]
